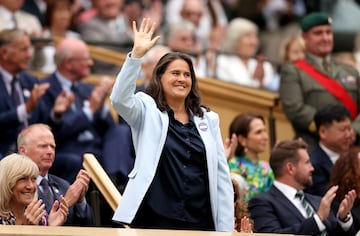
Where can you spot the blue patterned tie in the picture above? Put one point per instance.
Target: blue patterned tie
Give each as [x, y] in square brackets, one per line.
[15, 95]
[47, 191]
[308, 208]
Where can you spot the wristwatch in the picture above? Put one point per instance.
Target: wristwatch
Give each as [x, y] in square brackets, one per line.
[346, 219]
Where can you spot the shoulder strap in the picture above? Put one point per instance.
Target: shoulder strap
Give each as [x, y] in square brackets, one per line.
[333, 86]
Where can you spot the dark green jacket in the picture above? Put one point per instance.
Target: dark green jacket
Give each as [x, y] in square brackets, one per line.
[301, 95]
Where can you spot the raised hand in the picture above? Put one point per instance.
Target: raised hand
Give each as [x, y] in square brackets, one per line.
[34, 212]
[36, 93]
[325, 204]
[259, 72]
[58, 214]
[346, 204]
[230, 145]
[246, 225]
[76, 192]
[62, 103]
[143, 40]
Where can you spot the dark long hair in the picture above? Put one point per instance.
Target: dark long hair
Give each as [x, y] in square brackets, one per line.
[51, 7]
[155, 89]
[240, 125]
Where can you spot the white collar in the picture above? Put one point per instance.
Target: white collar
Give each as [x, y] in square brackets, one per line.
[331, 154]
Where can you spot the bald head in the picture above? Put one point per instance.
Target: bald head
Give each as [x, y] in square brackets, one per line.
[69, 47]
[72, 58]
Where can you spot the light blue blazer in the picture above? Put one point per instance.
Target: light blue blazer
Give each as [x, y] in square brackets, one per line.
[149, 130]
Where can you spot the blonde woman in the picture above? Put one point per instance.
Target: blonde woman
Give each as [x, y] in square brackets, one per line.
[18, 195]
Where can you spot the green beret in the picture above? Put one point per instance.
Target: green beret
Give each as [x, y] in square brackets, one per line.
[314, 19]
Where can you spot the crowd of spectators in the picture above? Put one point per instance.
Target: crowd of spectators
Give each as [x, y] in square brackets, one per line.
[260, 44]
[107, 23]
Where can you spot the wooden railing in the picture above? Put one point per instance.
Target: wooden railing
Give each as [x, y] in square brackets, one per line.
[26, 230]
[228, 100]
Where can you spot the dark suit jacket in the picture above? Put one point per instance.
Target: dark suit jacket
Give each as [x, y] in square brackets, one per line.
[322, 171]
[73, 123]
[272, 212]
[10, 126]
[59, 187]
[111, 145]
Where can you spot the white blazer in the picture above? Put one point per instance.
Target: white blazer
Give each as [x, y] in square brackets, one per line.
[149, 130]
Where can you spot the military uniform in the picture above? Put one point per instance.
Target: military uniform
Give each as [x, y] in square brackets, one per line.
[302, 96]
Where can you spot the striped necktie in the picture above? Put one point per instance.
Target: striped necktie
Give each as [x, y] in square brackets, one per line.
[47, 191]
[308, 208]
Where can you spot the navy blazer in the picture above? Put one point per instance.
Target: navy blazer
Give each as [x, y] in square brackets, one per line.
[322, 171]
[10, 126]
[272, 212]
[111, 144]
[59, 187]
[73, 123]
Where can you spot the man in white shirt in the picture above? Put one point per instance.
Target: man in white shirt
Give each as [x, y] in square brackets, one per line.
[12, 17]
[286, 209]
[333, 123]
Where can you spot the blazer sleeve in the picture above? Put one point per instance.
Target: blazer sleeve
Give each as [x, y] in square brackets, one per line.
[292, 97]
[123, 98]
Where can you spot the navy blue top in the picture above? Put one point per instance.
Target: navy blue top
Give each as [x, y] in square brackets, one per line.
[180, 189]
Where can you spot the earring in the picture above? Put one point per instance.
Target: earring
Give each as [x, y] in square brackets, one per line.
[246, 149]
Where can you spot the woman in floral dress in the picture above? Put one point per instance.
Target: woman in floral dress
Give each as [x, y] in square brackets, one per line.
[254, 175]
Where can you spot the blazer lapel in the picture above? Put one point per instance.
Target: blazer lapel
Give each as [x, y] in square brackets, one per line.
[4, 91]
[26, 86]
[283, 200]
[204, 129]
[55, 188]
[326, 159]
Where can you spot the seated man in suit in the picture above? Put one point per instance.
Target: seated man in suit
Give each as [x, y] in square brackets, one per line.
[333, 123]
[19, 92]
[286, 209]
[87, 124]
[38, 143]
